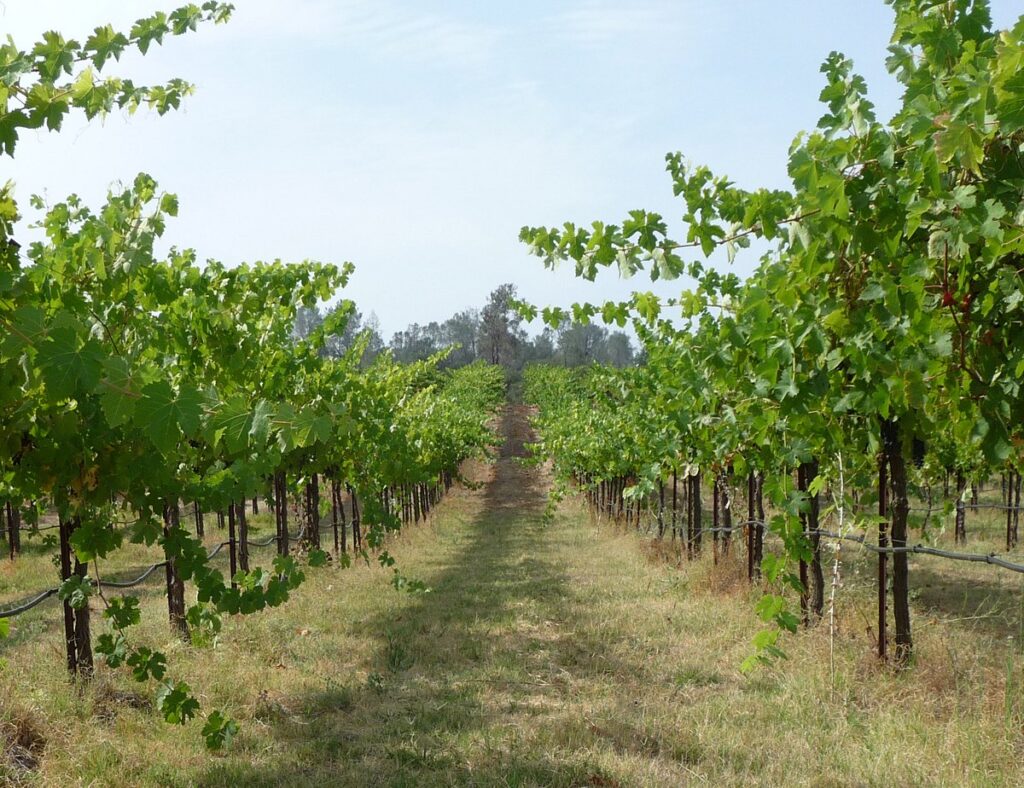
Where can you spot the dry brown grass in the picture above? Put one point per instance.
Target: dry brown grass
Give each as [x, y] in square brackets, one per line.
[22, 741]
[545, 654]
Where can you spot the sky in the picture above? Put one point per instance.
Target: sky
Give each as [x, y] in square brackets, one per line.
[415, 139]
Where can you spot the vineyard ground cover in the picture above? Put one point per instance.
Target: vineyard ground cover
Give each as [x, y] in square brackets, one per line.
[990, 599]
[544, 654]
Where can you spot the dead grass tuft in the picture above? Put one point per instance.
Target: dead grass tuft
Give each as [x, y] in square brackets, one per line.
[22, 742]
[109, 700]
[728, 576]
[659, 551]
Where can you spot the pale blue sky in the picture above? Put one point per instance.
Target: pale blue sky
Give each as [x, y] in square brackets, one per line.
[416, 138]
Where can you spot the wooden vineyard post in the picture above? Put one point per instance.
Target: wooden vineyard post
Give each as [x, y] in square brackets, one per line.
[899, 509]
[175, 585]
[960, 529]
[281, 511]
[883, 557]
[758, 523]
[814, 527]
[688, 505]
[714, 518]
[750, 526]
[243, 537]
[695, 503]
[1016, 507]
[335, 503]
[801, 485]
[313, 512]
[197, 513]
[661, 508]
[344, 525]
[232, 545]
[77, 640]
[13, 529]
[675, 501]
[357, 536]
[1013, 485]
[726, 500]
[1007, 498]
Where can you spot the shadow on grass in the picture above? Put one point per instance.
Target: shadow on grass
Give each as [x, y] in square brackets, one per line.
[457, 668]
[991, 607]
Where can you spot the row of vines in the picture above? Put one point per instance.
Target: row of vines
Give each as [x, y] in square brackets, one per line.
[134, 381]
[878, 345]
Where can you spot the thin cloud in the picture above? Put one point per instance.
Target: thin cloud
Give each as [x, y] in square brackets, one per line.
[391, 29]
[598, 22]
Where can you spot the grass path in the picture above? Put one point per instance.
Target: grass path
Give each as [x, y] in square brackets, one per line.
[544, 654]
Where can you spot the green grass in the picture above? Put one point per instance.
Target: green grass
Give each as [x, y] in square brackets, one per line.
[545, 654]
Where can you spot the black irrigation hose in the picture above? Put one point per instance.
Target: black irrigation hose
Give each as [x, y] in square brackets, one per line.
[967, 505]
[136, 581]
[154, 567]
[24, 607]
[920, 549]
[37, 528]
[981, 558]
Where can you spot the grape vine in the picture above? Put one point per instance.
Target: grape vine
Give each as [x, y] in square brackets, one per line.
[132, 382]
[886, 314]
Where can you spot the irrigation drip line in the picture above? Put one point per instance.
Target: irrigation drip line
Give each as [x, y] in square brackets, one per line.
[967, 505]
[24, 607]
[980, 558]
[976, 558]
[34, 528]
[188, 514]
[136, 581]
[42, 596]
[937, 509]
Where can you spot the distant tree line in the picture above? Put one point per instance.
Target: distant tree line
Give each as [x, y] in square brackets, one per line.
[493, 333]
